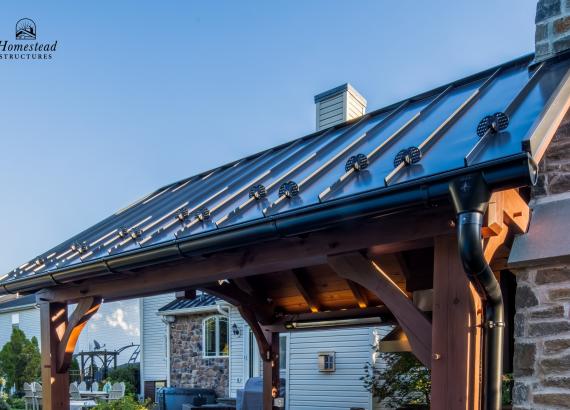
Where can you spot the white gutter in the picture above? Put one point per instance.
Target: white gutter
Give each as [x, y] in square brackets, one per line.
[218, 307]
[19, 308]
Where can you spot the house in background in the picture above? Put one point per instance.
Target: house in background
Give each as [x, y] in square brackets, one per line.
[116, 324]
[211, 346]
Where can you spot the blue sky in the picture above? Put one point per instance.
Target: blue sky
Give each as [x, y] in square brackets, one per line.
[140, 94]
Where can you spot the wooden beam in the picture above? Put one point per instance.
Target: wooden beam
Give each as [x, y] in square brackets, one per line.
[456, 332]
[244, 285]
[494, 216]
[229, 292]
[268, 343]
[494, 243]
[84, 310]
[301, 281]
[506, 208]
[516, 211]
[367, 274]
[385, 234]
[53, 322]
[358, 293]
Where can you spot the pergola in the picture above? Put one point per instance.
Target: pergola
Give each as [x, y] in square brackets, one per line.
[344, 224]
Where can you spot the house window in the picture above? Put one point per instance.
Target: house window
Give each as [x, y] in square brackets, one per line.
[327, 362]
[15, 320]
[216, 342]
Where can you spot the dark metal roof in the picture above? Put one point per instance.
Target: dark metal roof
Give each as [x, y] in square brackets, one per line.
[29, 300]
[318, 170]
[203, 300]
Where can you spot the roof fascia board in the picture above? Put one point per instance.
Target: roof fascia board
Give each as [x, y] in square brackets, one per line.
[556, 108]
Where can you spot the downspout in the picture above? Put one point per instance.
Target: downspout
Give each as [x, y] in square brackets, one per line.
[471, 196]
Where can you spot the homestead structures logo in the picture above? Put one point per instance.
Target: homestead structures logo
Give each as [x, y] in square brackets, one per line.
[26, 46]
[25, 29]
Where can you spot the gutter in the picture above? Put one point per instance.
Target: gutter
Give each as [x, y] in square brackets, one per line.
[196, 310]
[510, 172]
[470, 195]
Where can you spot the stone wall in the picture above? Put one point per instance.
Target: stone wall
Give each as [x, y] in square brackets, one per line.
[542, 321]
[188, 367]
[542, 338]
[554, 169]
[552, 28]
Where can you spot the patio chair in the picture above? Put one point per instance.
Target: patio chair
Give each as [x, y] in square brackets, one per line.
[38, 392]
[74, 392]
[82, 386]
[29, 397]
[117, 392]
[94, 386]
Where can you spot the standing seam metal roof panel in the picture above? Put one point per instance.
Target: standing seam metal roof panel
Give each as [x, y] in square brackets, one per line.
[441, 123]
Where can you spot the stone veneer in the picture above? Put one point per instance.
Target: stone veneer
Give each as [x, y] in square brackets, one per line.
[542, 338]
[188, 367]
[542, 320]
[552, 35]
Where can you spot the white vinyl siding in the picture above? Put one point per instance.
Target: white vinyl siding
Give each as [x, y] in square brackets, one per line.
[29, 324]
[236, 353]
[339, 390]
[339, 107]
[154, 363]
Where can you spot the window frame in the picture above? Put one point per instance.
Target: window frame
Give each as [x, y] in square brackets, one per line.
[218, 354]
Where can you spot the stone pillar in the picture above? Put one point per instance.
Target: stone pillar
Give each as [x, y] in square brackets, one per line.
[552, 28]
[542, 338]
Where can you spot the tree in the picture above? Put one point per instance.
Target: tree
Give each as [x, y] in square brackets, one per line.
[20, 360]
[401, 380]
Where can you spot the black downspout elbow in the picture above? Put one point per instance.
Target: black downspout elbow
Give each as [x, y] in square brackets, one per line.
[471, 197]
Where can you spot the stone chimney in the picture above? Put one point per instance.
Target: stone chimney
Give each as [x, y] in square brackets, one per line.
[552, 28]
[338, 105]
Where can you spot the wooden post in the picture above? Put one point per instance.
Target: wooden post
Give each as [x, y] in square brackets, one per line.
[55, 384]
[271, 379]
[456, 332]
[59, 334]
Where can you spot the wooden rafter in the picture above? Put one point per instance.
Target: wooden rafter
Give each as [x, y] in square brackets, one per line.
[358, 293]
[231, 293]
[366, 273]
[506, 208]
[301, 281]
[84, 310]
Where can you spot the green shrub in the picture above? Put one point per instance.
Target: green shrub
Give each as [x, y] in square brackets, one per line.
[15, 403]
[20, 360]
[403, 380]
[126, 403]
[129, 374]
[4, 405]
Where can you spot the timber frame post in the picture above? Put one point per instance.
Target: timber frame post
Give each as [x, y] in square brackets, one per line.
[456, 332]
[268, 342]
[59, 335]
